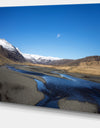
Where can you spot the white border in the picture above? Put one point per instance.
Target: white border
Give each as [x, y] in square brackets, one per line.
[4, 3]
[23, 116]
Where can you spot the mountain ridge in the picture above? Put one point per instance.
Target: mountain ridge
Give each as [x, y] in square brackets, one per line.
[89, 60]
[11, 52]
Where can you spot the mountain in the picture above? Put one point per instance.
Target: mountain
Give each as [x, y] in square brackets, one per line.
[9, 51]
[13, 54]
[37, 59]
[60, 62]
[89, 60]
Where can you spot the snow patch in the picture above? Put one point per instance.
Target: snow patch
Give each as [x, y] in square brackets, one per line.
[18, 50]
[7, 45]
[39, 58]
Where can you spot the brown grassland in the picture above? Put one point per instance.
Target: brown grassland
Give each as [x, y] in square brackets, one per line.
[85, 70]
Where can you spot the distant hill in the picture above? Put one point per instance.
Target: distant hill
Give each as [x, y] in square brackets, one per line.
[60, 62]
[90, 60]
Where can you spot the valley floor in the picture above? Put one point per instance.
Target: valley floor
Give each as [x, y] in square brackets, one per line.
[91, 73]
[21, 88]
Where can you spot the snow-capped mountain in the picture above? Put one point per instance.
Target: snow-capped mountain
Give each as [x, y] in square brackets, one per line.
[9, 51]
[7, 45]
[13, 53]
[39, 59]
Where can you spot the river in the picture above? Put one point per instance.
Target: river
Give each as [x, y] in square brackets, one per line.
[57, 88]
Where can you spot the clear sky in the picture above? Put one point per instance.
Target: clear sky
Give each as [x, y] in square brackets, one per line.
[65, 31]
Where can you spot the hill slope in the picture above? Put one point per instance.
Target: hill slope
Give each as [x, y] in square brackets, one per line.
[9, 51]
[90, 60]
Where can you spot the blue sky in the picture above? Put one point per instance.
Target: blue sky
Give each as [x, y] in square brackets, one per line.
[65, 31]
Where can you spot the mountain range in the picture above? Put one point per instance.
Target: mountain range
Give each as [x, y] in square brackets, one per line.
[11, 53]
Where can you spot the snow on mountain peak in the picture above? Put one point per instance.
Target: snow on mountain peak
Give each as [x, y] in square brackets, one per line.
[33, 58]
[39, 58]
[7, 45]
[18, 50]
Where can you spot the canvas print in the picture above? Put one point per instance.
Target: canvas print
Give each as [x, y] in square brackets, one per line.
[50, 56]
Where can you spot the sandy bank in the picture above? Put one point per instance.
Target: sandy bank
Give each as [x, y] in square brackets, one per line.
[18, 88]
[77, 106]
